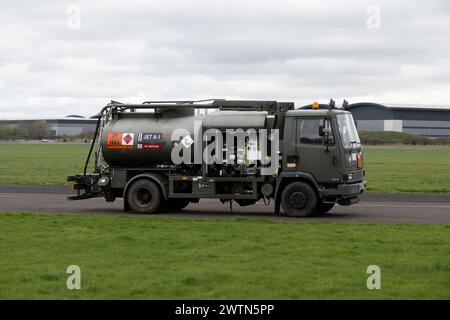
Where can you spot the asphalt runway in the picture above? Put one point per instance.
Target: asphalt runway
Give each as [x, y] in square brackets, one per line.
[374, 207]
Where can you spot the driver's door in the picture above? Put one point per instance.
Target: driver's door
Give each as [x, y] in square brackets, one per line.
[311, 148]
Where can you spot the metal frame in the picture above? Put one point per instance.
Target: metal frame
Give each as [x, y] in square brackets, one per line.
[252, 196]
[238, 105]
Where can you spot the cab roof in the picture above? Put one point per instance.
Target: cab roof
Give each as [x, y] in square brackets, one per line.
[315, 112]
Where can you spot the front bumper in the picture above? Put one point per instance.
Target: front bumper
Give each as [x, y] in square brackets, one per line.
[346, 190]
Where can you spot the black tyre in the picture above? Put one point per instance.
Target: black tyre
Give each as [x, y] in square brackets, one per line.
[176, 204]
[299, 200]
[323, 208]
[144, 196]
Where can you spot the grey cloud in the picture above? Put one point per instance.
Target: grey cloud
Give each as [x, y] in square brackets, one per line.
[291, 50]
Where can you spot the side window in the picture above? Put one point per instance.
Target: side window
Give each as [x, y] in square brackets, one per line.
[308, 130]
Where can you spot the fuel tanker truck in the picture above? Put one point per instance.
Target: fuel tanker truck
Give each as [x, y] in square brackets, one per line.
[162, 155]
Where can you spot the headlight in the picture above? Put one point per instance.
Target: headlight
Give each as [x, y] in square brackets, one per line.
[348, 176]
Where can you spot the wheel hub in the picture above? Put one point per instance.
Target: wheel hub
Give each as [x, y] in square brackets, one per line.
[144, 197]
[298, 200]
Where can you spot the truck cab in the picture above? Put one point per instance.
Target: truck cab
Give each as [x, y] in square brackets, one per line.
[322, 152]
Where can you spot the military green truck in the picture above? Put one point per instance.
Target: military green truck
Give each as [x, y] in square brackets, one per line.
[163, 155]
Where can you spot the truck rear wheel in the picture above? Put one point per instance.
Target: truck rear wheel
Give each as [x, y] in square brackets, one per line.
[299, 200]
[144, 196]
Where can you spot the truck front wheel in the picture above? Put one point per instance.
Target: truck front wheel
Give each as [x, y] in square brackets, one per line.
[299, 200]
[144, 196]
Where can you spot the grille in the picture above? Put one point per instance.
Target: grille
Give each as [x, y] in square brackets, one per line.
[349, 189]
[358, 175]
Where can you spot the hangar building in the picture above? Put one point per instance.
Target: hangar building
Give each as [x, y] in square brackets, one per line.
[72, 125]
[433, 121]
[420, 120]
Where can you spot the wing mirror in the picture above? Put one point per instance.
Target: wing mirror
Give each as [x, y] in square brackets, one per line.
[327, 134]
[324, 131]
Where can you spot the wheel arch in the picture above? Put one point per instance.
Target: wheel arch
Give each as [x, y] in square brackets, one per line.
[287, 177]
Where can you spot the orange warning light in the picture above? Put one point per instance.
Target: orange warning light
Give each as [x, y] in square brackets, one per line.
[315, 105]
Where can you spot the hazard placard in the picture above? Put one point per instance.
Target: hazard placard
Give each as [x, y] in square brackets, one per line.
[127, 139]
[119, 140]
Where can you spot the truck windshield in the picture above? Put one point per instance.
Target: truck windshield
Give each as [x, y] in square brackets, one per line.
[347, 130]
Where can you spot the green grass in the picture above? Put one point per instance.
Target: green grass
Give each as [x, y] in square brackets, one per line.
[28, 163]
[125, 256]
[408, 169]
[389, 168]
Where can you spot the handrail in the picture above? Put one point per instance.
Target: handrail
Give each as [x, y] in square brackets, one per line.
[221, 104]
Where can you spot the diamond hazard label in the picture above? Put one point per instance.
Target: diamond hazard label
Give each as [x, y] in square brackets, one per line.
[127, 139]
[187, 141]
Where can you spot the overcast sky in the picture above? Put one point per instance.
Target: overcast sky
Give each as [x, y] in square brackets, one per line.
[72, 57]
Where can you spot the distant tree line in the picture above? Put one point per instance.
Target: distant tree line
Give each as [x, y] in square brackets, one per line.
[37, 129]
[85, 136]
[389, 137]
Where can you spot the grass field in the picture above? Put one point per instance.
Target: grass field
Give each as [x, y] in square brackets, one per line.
[34, 163]
[408, 169]
[125, 256]
[389, 168]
